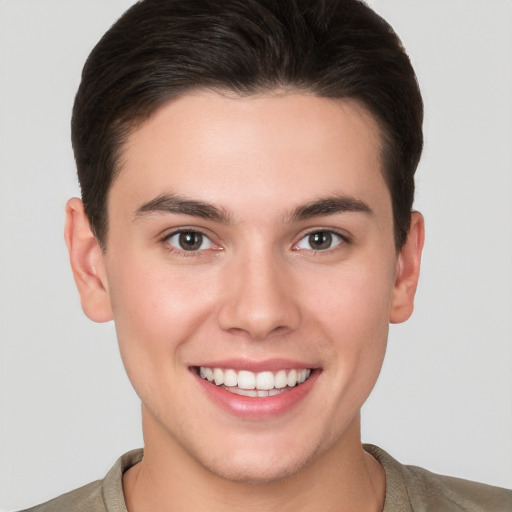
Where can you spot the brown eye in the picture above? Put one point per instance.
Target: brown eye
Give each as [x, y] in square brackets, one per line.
[320, 241]
[189, 241]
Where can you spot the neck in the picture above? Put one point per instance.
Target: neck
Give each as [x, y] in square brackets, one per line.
[344, 478]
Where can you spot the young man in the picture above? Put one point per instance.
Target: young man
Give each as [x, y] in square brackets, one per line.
[247, 184]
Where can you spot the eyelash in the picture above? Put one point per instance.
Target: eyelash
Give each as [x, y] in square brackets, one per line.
[333, 234]
[342, 240]
[166, 240]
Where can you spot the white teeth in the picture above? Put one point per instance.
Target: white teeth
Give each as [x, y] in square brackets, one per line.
[246, 380]
[230, 378]
[302, 376]
[253, 393]
[244, 392]
[253, 384]
[209, 374]
[218, 376]
[280, 380]
[265, 380]
[292, 378]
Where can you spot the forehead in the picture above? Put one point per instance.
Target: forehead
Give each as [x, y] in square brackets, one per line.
[269, 149]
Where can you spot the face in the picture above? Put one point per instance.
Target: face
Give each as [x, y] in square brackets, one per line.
[252, 274]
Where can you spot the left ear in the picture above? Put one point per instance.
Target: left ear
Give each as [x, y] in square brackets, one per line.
[408, 271]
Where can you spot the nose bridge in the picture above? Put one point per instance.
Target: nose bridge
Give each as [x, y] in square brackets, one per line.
[258, 299]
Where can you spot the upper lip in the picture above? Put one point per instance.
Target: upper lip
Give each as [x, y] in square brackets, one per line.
[272, 365]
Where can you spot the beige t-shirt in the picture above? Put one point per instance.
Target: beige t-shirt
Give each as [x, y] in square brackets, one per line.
[408, 489]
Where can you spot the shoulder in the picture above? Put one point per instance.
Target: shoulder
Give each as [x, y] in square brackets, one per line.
[101, 496]
[431, 489]
[87, 498]
[418, 490]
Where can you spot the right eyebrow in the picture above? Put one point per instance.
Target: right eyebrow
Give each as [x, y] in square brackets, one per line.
[170, 203]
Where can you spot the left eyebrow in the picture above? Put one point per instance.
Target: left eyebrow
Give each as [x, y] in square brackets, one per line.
[329, 206]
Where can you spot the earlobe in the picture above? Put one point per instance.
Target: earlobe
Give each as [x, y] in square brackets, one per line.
[87, 263]
[408, 271]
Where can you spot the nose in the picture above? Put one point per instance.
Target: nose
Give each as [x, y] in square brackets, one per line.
[258, 298]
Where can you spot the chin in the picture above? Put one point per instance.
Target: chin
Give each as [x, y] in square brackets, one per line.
[255, 470]
[260, 463]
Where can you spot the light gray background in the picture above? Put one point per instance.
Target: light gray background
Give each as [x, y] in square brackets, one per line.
[444, 398]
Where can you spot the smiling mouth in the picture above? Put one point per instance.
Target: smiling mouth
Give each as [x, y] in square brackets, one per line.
[261, 384]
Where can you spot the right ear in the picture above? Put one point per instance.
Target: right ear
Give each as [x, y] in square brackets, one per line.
[87, 262]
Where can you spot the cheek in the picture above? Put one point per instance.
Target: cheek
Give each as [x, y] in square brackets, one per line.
[156, 311]
[356, 298]
[354, 315]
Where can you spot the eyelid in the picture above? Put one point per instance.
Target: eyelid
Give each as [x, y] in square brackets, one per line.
[164, 239]
[344, 239]
[204, 240]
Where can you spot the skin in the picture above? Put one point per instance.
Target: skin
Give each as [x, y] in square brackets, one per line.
[257, 291]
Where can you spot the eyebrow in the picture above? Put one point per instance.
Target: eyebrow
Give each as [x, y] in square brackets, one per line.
[170, 203]
[330, 206]
[174, 204]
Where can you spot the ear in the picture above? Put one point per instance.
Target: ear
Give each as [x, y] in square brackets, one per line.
[408, 271]
[87, 263]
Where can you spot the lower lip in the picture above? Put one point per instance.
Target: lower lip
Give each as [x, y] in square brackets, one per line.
[257, 408]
